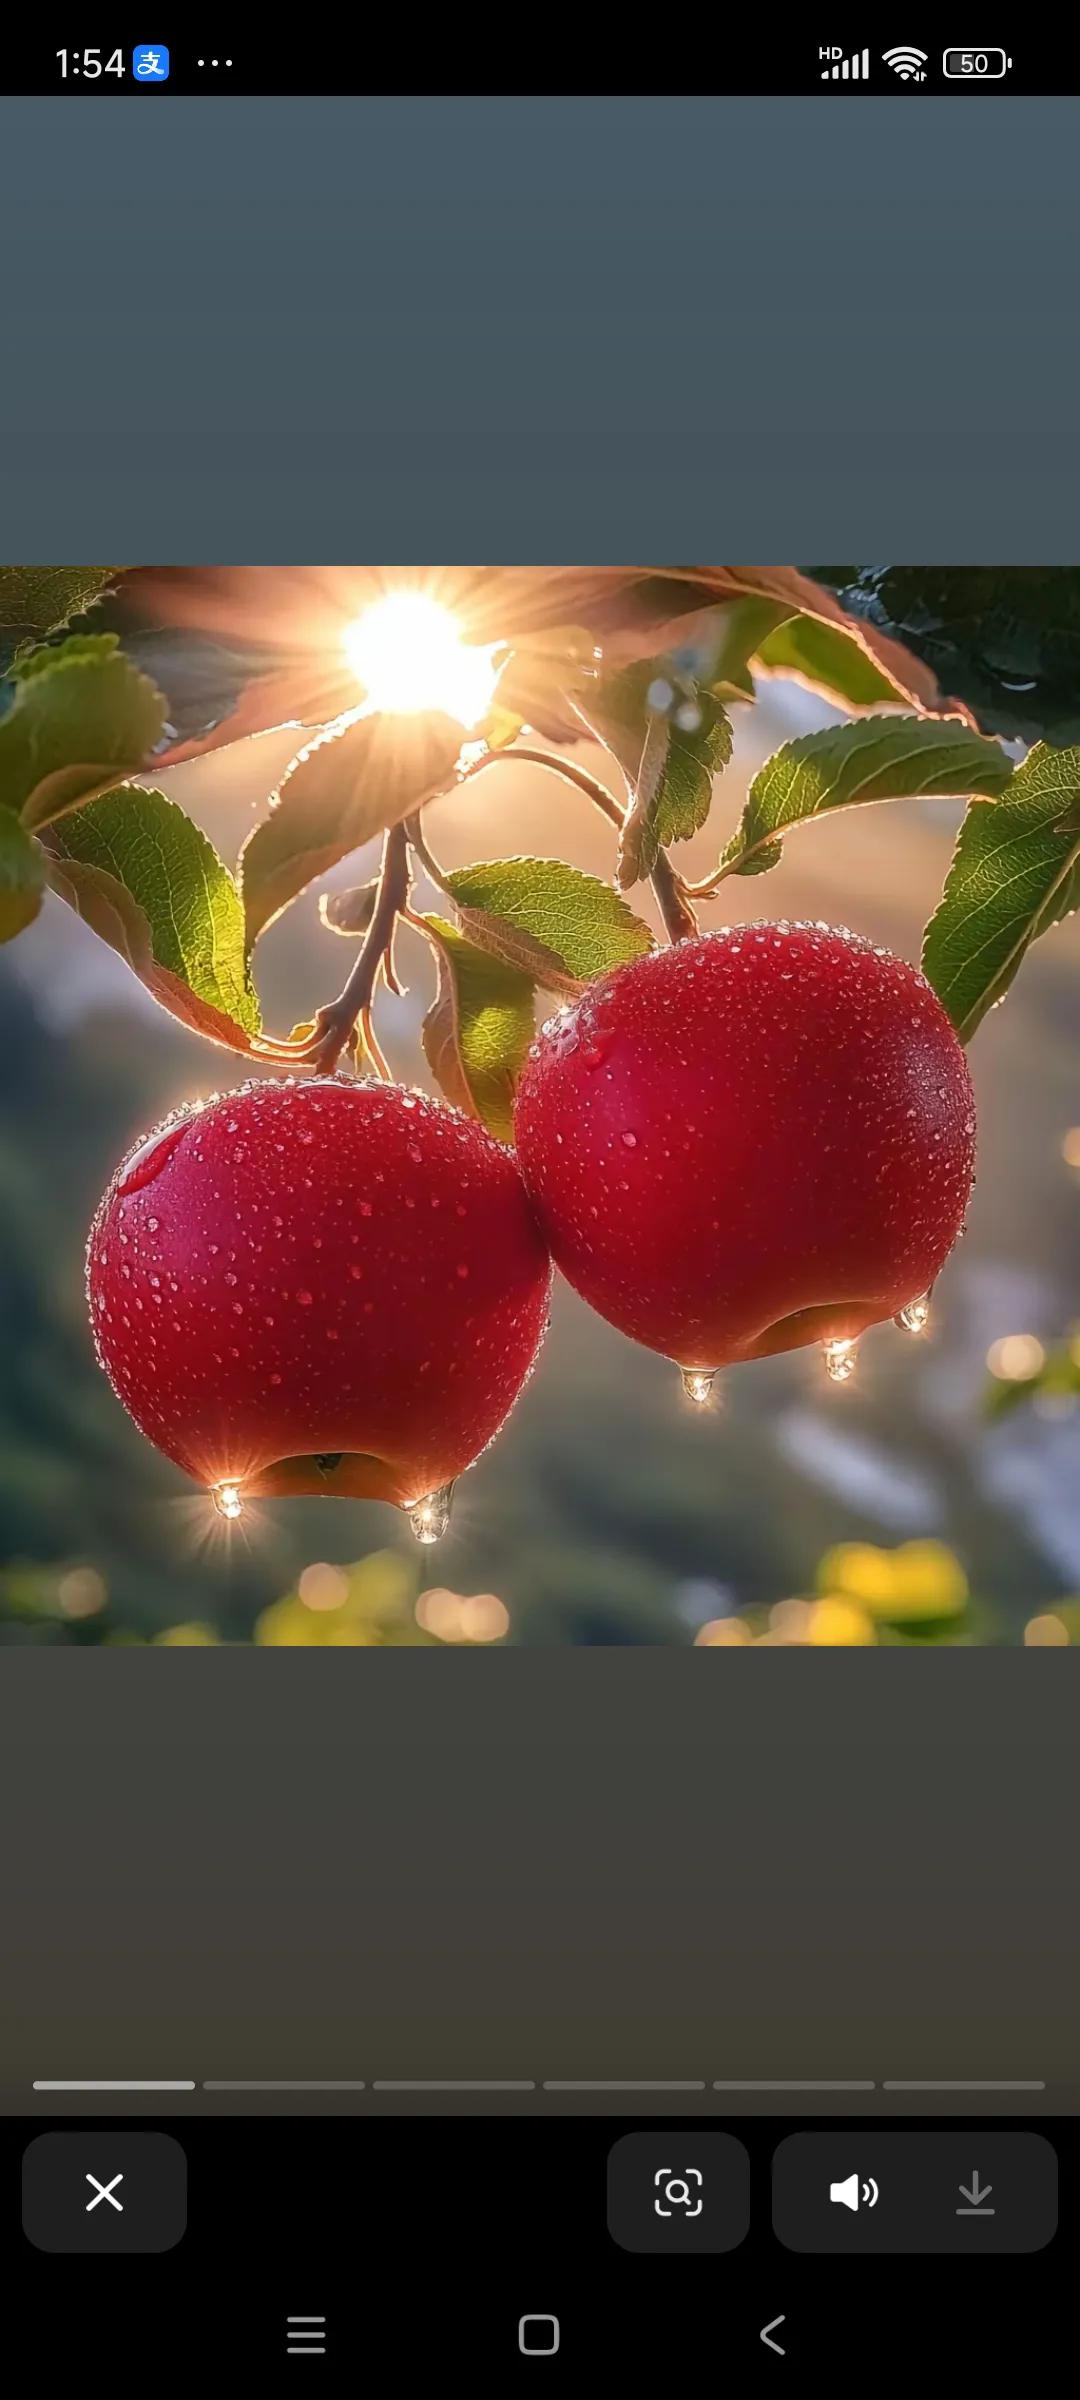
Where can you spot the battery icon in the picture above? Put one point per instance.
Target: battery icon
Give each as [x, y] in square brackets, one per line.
[976, 66]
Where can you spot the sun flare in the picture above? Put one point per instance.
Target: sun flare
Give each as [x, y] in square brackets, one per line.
[407, 651]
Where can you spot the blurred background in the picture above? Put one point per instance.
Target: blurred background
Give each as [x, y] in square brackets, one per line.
[935, 1497]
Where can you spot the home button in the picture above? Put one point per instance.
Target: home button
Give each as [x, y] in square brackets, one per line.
[538, 2337]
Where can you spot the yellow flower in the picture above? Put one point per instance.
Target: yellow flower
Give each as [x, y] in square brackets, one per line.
[913, 1584]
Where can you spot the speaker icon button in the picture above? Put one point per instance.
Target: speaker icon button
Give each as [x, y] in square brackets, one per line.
[854, 2193]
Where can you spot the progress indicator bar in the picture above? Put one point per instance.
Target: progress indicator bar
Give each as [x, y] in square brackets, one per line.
[112, 2083]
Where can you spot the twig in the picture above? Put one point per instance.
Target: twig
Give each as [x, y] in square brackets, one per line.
[711, 883]
[334, 1023]
[672, 895]
[371, 1045]
[524, 755]
[422, 851]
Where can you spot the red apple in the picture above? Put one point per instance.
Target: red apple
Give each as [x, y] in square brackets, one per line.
[318, 1287]
[752, 1140]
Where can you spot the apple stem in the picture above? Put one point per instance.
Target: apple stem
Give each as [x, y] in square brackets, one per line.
[671, 894]
[434, 872]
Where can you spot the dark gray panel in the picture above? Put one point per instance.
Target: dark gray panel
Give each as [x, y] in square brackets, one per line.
[398, 1865]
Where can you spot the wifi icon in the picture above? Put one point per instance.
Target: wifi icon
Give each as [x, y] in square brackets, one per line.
[908, 63]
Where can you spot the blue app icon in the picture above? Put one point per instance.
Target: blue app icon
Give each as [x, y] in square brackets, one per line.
[150, 62]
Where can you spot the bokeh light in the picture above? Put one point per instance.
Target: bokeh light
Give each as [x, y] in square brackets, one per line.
[321, 1586]
[839, 1625]
[723, 1633]
[82, 1592]
[454, 1617]
[1015, 1357]
[1047, 1632]
[790, 1620]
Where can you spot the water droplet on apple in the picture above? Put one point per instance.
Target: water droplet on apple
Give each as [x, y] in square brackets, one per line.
[227, 1500]
[698, 1383]
[840, 1360]
[915, 1316]
[430, 1517]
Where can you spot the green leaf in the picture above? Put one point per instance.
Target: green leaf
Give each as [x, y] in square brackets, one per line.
[478, 1029]
[559, 926]
[152, 885]
[81, 717]
[22, 877]
[1015, 872]
[669, 765]
[36, 601]
[357, 778]
[884, 758]
[830, 660]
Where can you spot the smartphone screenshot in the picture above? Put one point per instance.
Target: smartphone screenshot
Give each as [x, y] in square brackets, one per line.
[539, 1214]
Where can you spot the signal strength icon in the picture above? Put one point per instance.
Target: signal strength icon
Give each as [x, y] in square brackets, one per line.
[908, 63]
[846, 70]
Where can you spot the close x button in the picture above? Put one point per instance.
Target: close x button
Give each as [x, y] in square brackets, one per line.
[104, 2192]
[858, 2190]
